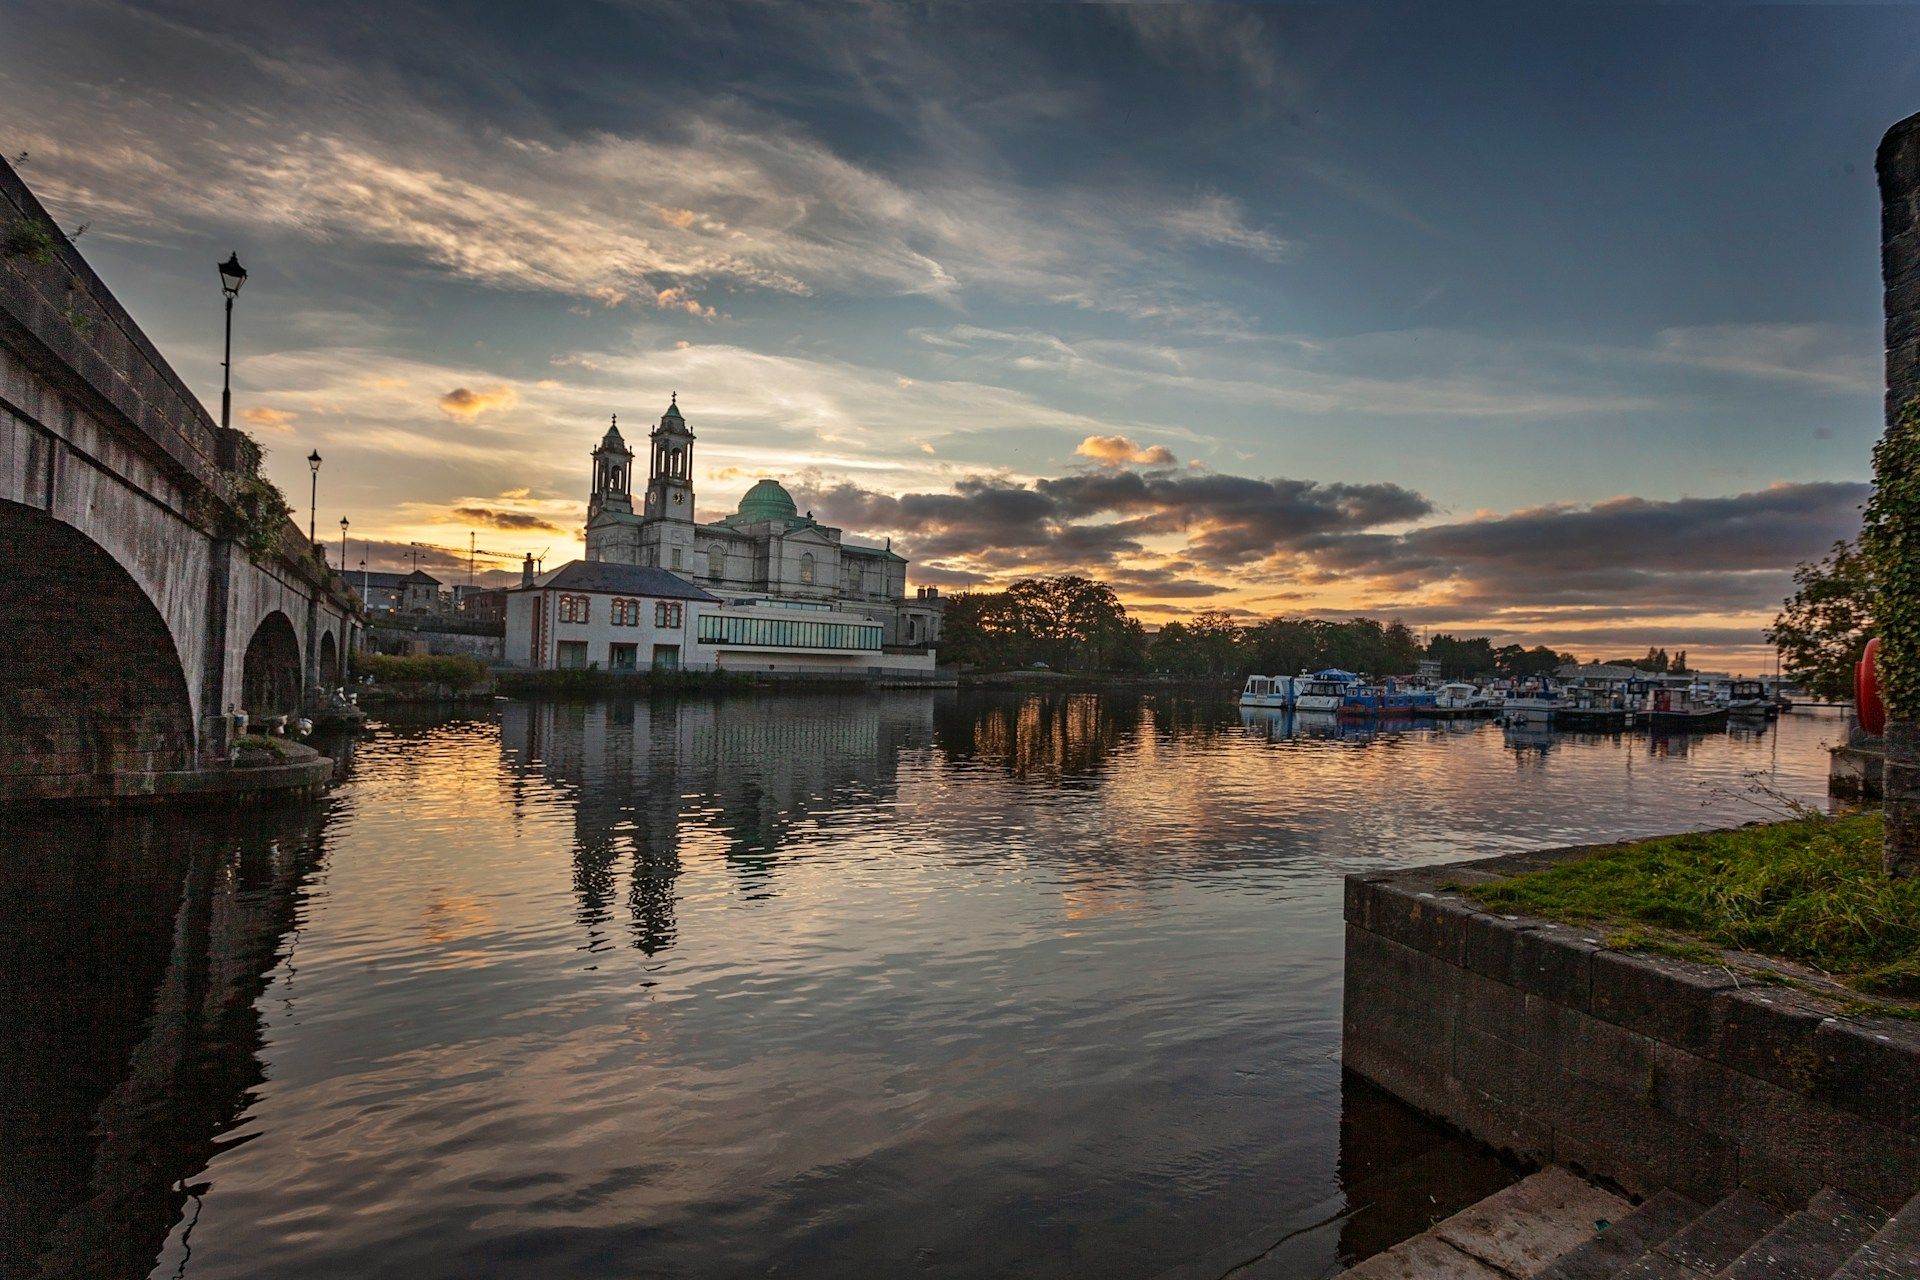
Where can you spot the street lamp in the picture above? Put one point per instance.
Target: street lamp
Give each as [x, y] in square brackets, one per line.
[313, 464]
[343, 545]
[232, 276]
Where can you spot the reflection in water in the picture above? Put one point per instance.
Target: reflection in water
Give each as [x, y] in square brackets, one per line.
[827, 985]
[135, 952]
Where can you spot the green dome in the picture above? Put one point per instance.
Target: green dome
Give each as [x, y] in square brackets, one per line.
[766, 501]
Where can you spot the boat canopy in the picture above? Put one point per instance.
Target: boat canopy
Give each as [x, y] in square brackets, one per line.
[1335, 673]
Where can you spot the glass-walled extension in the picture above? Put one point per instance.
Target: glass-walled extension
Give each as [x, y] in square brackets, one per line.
[787, 633]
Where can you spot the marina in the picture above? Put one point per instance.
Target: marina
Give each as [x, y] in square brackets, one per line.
[1581, 699]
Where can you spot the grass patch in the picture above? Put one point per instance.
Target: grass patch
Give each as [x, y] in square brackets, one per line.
[275, 747]
[1810, 890]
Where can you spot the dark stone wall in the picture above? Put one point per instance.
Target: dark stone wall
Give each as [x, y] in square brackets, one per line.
[1898, 165]
[1655, 1073]
[93, 684]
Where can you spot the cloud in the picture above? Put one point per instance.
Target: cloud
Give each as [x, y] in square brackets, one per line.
[678, 299]
[1221, 221]
[467, 405]
[1119, 450]
[506, 519]
[268, 419]
[1825, 357]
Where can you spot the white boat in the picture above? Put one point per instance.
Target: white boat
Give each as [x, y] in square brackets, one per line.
[1458, 695]
[1530, 706]
[1268, 691]
[1323, 691]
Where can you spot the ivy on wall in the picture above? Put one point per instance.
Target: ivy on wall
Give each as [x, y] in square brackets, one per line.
[1890, 538]
[255, 518]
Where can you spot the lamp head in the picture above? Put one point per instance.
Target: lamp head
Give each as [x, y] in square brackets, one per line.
[313, 461]
[232, 274]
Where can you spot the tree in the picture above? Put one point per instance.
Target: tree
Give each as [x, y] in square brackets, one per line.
[1067, 621]
[1462, 659]
[970, 631]
[1890, 542]
[1822, 628]
[1679, 667]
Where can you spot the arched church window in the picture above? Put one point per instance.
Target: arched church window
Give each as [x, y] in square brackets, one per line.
[806, 569]
[855, 577]
[716, 561]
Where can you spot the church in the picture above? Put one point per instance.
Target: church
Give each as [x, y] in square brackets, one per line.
[765, 553]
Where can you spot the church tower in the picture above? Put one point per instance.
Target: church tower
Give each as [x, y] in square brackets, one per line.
[612, 474]
[670, 477]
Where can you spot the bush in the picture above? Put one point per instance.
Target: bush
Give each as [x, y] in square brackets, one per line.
[453, 670]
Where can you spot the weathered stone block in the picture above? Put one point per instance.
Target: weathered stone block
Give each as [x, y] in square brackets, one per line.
[1424, 920]
[1768, 1032]
[1597, 1050]
[1538, 956]
[1792, 1146]
[1669, 1000]
[1504, 1072]
[1628, 1139]
[1871, 1067]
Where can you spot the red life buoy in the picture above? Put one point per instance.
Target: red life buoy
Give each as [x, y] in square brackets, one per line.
[1866, 691]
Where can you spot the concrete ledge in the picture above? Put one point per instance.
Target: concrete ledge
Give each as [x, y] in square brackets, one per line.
[296, 780]
[1656, 1073]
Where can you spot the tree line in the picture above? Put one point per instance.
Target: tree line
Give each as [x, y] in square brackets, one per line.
[1070, 623]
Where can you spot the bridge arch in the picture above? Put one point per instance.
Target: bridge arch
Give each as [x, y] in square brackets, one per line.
[330, 675]
[93, 682]
[270, 674]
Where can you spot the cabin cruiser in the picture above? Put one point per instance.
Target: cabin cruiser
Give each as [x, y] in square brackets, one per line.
[1267, 691]
[1749, 700]
[1532, 705]
[1462, 698]
[1584, 708]
[1389, 698]
[1678, 710]
[1323, 691]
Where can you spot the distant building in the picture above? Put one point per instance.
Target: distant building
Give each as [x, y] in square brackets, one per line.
[766, 550]
[416, 592]
[622, 617]
[482, 604]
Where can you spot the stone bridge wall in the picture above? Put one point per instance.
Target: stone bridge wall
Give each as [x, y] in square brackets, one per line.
[100, 437]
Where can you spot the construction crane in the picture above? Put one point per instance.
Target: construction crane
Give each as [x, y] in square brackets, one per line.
[472, 552]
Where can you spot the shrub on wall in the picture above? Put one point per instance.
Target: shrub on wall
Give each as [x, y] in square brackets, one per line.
[1890, 539]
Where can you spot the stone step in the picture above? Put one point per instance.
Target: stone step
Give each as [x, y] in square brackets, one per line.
[1514, 1234]
[1622, 1242]
[1892, 1254]
[1810, 1244]
[1708, 1243]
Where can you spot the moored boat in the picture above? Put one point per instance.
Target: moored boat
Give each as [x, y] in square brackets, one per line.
[1267, 691]
[1457, 698]
[1591, 710]
[1385, 699]
[1323, 691]
[1675, 711]
[1749, 700]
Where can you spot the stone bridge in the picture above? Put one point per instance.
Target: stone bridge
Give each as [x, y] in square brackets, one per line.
[149, 595]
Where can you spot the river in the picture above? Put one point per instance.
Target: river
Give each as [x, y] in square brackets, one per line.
[918, 983]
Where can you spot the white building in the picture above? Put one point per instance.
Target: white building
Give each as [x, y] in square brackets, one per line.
[622, 617]
[765, 550]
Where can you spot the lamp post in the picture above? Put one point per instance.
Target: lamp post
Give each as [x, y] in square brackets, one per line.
[232, 276]
[343, 545]
[313, 465]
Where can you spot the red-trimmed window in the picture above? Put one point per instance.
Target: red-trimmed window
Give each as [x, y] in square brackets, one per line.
[668, 613]
[576, 608]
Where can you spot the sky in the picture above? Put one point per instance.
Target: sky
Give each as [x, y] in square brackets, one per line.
[1555, 323]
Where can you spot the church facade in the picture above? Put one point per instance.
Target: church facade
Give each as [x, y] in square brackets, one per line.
[764, 554]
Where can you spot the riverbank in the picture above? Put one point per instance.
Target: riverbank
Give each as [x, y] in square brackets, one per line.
[1626, 1037]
